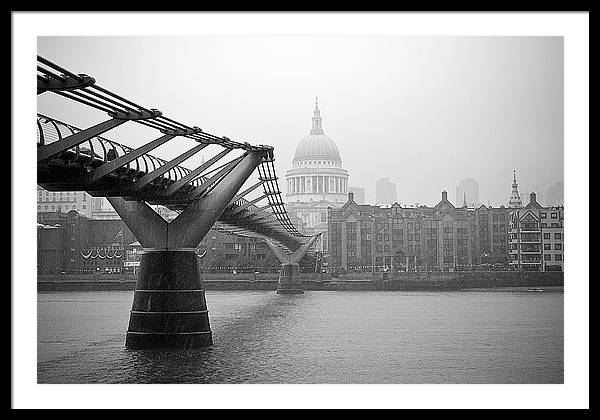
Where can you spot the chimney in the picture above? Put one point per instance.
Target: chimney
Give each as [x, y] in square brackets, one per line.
[350, 196]
[532, 197]
[444, 196]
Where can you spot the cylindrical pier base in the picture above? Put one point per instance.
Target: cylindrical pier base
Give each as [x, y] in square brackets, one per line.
[169, 306]
[289, 280]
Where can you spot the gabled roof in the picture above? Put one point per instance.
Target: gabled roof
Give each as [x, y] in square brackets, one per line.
[533, 205]
[528, 216]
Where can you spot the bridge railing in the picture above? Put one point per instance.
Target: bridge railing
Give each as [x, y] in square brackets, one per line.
[101, 150]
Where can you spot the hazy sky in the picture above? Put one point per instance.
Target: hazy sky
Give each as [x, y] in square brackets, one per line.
[424, 111]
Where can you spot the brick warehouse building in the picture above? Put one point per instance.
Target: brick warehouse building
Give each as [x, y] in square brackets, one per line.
[72, 243]
[443, 237]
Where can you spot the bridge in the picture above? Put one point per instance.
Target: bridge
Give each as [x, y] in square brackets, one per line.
[169, 306]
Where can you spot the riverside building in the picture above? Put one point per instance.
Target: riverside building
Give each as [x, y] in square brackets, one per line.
[536, 237]
[395, 237]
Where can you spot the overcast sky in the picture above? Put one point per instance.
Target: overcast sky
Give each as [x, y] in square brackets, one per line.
[424, 111]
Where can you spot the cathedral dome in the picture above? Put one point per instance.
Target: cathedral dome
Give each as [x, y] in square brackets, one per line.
[317, 146]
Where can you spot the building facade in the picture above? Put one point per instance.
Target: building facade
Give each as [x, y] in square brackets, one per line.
[316, 180]
[65, 201]
[443, 237]
[72, 243]
[536, 237]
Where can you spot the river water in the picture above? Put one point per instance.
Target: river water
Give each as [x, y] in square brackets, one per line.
[319, 337]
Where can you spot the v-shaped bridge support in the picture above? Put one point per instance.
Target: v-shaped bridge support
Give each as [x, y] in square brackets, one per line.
[169, 306]
[289, 277]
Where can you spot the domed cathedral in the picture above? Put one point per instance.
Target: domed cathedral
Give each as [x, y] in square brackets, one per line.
[316, 180]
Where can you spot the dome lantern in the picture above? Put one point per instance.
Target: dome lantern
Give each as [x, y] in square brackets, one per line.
[317, 146]
[317, 127]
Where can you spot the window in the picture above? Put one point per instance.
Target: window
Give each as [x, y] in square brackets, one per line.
[558, 257]
[543, 225]
[554, 215]
[495, 217]
[558, 247]
[547, 257]
[557, 235]
[543, 215]
[546, 236]
[547, 247]
[417, 226]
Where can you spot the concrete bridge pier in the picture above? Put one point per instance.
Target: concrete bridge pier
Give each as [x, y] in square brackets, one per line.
[289, 280]
[289, 277]
[169, 306]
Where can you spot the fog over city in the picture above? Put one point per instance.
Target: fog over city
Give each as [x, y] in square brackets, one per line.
[426, 112]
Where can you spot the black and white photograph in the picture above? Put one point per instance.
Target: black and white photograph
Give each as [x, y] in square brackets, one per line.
[298, 210]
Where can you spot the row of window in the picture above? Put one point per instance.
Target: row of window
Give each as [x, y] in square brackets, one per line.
[59, 207]
[59, 199]
[535, 247]
[318, 162]
[545, 215]
[62, 194]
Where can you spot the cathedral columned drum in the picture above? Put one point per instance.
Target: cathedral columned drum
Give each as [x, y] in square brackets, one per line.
[317, 179]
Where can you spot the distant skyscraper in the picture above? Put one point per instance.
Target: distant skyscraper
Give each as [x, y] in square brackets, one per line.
[467, 189]
[555, 195]
[359, 194]
[385, 191]
[515, 199]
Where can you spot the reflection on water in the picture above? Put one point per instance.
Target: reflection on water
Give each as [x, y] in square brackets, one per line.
[317, 337]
